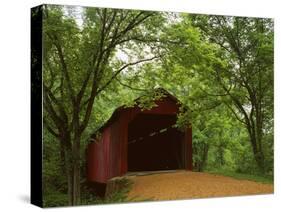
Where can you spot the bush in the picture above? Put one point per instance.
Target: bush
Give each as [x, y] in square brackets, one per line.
[90, 197]
[55, 199]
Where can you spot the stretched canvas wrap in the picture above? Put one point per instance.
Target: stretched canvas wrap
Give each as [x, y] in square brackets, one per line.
[132, 106]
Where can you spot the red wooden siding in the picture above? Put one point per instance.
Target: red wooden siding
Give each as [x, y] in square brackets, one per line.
[108, 157]
[165, 106]
[98, 158]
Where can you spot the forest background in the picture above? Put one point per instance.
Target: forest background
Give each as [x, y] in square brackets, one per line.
[220, 68]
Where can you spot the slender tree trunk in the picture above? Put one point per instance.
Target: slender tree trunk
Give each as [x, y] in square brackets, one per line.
[221, 154]
[257, 150]
[73, 177]
[202, 152]
[259, 157]
[72, 167]
[76, 170]
[260, 161]
[76, 184]
[69, 172]
[259, 137]
[66, 162]
[70, 184]
[62, 155]
[205, 156]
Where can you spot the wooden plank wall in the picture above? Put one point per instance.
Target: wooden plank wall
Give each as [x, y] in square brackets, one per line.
[98, 158]
[107, 158]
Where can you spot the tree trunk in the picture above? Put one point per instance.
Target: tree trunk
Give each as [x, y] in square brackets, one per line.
[70, 152]
[259, 158]
[202, 152]
[70, 184]
[66, 161]
[72, 166]
[260, 161]
[76, 183]
[259, 136]
[257, 150]
[76, 169]
[204, 156]
[221, 155]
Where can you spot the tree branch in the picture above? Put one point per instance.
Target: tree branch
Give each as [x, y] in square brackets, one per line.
[235, 114]
[96, 91]
[57, 102]
[121, 69]
[49, 128]
[55, 40]
[209, 94]
[128, 86]
[51, 111]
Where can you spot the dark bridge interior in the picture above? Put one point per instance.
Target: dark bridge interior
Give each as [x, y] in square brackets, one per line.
[153, 144]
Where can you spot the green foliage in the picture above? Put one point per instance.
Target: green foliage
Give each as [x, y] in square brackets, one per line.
[268, 179]
[148, 100]
[225, 61]
[118, 196]
[80, 62]
[54, 180]
[55, 199]
[220, 68]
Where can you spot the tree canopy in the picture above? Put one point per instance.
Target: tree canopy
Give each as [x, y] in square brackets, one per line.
[96, 59]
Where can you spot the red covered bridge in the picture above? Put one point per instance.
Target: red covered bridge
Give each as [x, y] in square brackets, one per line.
[140, 140]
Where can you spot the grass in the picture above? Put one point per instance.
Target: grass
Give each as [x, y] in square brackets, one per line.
[241, 176]
[119, 196]
[59, 199]
[55, 199]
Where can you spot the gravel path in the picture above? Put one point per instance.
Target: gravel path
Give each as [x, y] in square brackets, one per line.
[186, 185]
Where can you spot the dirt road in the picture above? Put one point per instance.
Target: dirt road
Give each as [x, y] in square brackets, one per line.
[187, 185]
